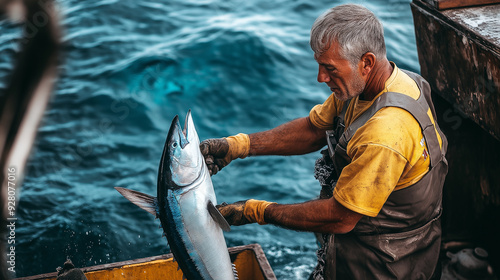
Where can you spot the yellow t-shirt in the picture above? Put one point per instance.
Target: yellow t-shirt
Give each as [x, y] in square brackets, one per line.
[388, 152]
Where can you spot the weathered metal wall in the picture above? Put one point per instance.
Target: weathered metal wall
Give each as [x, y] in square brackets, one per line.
[447, 4]
[460, 64]
[463, 68]
[471, 198]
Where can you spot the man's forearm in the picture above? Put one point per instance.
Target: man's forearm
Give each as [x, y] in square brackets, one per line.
[293, 138]
[323, 215]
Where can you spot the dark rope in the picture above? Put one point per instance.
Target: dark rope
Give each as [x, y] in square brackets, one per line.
[325, 173]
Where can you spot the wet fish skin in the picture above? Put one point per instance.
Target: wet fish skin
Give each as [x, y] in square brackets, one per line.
[185, 206]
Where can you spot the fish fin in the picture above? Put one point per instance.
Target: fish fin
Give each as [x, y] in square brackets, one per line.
[144, 201]
[217, 216]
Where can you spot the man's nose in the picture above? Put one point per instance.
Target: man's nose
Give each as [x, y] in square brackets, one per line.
[323, 76]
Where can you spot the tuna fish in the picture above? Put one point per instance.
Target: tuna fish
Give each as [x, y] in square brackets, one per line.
[185, 206]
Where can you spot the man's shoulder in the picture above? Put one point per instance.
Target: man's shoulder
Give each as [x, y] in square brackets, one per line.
[322, 115]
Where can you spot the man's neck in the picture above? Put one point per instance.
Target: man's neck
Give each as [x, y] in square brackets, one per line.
[376, 80]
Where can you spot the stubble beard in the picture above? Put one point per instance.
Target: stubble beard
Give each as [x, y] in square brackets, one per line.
[356, 89]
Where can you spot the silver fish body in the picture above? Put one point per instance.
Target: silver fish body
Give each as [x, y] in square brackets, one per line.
[185, 207]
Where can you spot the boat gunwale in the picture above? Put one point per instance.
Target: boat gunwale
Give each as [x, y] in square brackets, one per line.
[260, 256]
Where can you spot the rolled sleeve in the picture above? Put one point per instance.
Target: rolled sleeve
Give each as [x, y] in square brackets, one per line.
[322, 115]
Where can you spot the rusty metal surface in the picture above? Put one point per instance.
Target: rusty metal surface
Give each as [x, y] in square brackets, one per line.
[484, 21]
[461, 64]
[450, 4]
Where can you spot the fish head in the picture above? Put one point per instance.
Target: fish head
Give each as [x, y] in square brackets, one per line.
[182, 162]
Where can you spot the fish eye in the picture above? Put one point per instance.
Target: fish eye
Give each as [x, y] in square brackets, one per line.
[174, 145]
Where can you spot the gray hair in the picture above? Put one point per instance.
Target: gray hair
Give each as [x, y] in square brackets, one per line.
[354, 27]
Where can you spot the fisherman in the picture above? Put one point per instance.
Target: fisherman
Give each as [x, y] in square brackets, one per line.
[383, 172]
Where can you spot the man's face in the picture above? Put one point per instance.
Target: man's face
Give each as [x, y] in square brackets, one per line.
[345, 80]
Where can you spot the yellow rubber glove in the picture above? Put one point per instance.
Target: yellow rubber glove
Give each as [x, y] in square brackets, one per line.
[244, 212]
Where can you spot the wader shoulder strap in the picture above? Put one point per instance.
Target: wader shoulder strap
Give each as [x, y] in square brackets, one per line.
[394, 99]
[418, 108]
[333, 136]
[425, 89]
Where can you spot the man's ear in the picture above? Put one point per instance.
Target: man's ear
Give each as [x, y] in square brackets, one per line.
[368, 61]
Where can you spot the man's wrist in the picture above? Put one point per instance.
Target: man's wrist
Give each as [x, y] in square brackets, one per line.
[239, 146]
[254, 210]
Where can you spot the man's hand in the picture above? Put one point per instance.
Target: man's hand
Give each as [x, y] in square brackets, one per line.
[233, 213]
[220, 152]
[214, 151]
[244, 212]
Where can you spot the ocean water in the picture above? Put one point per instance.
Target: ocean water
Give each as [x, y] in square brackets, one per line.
[128, 67]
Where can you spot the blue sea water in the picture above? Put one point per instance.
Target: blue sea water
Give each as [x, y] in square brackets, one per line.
[128, 68]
